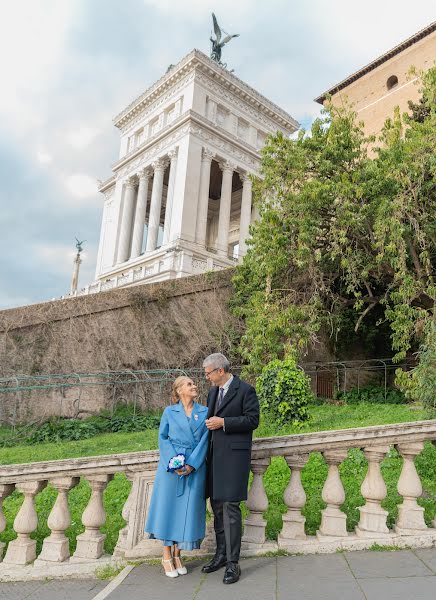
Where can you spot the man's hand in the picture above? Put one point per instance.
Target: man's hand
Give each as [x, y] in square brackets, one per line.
[214, 423]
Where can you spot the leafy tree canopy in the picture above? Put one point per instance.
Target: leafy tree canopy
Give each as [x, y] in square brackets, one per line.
[339, 230]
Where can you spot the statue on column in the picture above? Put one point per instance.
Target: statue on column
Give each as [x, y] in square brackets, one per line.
[77, 262]
[218, 43]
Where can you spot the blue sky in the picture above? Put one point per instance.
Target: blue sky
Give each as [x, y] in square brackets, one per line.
[67, 67]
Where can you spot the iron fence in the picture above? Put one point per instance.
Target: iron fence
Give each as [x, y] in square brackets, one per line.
[35, 398]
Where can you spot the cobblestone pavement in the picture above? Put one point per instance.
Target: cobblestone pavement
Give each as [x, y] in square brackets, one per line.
[399, 575]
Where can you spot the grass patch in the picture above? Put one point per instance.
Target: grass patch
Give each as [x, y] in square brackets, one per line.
[383, 548]
[109, 571]
[324, 417]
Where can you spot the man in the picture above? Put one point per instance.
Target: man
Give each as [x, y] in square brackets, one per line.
[233, 414]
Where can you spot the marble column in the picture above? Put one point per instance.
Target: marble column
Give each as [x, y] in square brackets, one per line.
[245, 213]
[203, 200]
[155, 204]
[141, 209]
[170, 196]
[126, 220]
[225, 206]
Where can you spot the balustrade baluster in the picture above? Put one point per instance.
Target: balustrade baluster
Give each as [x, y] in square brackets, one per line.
[55, 548]
[257, 503]
[22, 550]
[410, 515]
[5, 490]
[295, 499]
[372, 516]
[90, 542]
[333, 520]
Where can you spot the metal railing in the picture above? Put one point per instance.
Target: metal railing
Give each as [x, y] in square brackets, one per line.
[33, 398]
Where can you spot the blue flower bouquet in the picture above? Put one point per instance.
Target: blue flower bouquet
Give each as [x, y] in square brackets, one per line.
[176, 462]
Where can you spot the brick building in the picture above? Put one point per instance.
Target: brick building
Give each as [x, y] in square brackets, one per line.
[376, 89]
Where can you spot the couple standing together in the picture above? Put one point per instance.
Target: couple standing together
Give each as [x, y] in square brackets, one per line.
[204, 452]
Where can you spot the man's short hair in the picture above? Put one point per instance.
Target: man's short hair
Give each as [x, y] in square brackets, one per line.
[217, 361]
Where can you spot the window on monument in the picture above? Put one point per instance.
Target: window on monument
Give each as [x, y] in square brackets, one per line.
[235, 251]
[242, 129]
[170, 114]
[139, 137]
[222, 115]
[392, 82]
[154, 125]
[261, 137]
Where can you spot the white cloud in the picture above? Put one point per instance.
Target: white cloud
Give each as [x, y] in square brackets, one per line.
[32, 40]
[197, 9]
[82, 137]
[55, 256]
[43, 157]
[81, 186]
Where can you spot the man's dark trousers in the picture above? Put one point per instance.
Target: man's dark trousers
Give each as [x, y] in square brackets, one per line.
[227, 523]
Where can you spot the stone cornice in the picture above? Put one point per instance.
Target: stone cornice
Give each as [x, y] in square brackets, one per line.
[198, 61]
[107, 184]
[188, 122]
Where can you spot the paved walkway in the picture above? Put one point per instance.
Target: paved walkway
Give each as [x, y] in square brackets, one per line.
[400, 575]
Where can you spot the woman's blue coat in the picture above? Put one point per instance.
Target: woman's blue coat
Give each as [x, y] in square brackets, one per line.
[177, 509]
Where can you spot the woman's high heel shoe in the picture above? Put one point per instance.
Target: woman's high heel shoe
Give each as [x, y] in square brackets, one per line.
[170, 571]
[181, 569]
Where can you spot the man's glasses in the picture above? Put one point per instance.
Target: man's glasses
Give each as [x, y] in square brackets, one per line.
[210, 372]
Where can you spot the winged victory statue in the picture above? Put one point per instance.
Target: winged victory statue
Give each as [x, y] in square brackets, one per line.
[219, 42]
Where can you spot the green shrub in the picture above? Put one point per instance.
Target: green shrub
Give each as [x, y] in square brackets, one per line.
[125, 418]
[284, 392]
[374, 394]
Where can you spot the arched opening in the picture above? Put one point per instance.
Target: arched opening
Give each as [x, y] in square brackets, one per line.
[392, 82]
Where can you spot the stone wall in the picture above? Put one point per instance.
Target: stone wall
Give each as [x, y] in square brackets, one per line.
[172, 324]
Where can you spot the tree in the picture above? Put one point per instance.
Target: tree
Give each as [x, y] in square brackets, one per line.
[339, 230]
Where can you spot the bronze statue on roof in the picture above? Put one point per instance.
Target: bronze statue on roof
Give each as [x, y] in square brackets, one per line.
[218, 43]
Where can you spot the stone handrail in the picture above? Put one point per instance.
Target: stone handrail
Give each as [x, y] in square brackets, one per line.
[140, 467]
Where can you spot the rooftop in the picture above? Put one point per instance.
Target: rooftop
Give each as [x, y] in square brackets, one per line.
[378, 61]
[197, 59]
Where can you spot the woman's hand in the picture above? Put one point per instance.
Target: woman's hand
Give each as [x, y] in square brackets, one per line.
[186, 470]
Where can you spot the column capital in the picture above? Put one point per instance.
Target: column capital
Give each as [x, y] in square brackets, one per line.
[159, 164]
[172, 154]
[227, 166]
[131, 181]
[245, 177]
[207, 155]
[144, 173]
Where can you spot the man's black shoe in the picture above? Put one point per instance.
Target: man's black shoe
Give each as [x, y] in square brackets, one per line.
[232, 573]
[216, 563]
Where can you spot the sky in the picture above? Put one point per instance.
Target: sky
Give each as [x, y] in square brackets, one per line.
[67, 67]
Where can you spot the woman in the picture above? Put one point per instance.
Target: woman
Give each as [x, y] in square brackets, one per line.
[177, 513]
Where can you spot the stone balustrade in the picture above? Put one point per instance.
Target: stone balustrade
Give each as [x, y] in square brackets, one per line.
[139, 467]
[155, 266]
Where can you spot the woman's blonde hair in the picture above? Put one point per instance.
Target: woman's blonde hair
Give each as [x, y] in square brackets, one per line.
[178, 383]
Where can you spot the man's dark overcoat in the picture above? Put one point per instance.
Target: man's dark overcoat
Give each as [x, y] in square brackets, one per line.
[229, 454]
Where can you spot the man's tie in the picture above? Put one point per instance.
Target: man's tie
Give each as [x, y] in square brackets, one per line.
[220, 398]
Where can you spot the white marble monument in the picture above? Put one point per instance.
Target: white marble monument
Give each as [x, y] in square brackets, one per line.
[179, 201]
